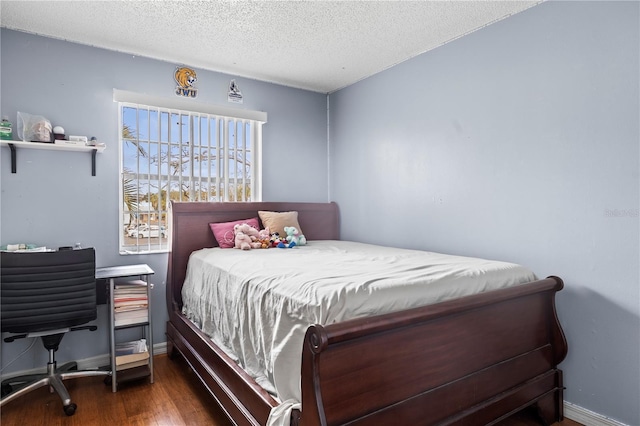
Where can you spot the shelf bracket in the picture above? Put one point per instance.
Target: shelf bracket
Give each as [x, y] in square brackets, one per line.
[12, 147]
[93, 162]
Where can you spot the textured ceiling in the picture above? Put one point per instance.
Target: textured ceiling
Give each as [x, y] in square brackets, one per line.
[321, 46]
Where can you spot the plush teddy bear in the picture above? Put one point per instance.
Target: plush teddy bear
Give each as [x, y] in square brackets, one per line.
[243, 241]
[246, 237]
[247, 229]
[294, 236]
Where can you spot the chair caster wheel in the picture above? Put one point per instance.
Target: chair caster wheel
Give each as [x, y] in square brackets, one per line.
[6, 389]
[70, 409]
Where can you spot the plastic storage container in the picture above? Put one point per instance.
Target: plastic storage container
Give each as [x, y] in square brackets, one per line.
[6, 132]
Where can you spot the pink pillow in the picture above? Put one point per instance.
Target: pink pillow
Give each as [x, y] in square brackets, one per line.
[223, 231]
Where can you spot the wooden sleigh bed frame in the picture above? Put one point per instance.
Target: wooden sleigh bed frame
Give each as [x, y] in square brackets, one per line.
[472, 361]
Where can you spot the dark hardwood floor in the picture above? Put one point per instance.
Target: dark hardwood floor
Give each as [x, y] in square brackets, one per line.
[176, 398]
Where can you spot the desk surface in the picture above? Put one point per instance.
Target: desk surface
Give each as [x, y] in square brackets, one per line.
[123, 271]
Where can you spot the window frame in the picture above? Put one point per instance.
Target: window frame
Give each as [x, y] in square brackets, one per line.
[195, 112]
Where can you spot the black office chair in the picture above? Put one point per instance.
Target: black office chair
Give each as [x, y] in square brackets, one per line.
[47, 294]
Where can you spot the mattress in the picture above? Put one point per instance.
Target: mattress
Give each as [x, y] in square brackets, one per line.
[256, 305]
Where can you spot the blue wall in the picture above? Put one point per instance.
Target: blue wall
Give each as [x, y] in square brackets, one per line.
[53, 200]
[517, 142]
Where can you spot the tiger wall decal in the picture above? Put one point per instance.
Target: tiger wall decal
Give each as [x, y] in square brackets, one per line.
[185, 77]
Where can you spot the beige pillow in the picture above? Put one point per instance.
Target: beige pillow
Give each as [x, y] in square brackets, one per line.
[276, 221]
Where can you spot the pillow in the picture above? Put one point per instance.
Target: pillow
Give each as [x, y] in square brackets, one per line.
[276, 221]
[223, 231]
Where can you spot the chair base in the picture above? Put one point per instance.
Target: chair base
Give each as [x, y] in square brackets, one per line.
[52, 378]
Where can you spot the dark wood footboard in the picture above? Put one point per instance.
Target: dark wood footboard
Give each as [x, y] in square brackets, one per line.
[471, 361]
[474, 360]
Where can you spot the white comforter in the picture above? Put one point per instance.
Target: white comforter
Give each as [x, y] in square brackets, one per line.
[256, 305]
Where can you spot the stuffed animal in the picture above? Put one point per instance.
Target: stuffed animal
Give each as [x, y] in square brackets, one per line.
[243, 241]
[293, 236]
[264, 238]
[246, 237]
[286, 245]
[264, 234]
[247, 229]
[276, 239]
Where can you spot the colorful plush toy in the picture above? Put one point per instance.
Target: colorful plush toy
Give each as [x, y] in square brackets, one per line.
[286, 245]
[294, 236]
[276, 239]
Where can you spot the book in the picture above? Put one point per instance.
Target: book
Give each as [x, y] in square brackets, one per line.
[130, 321]
[125, 294]
[133, 364]
[131, 313]
[126, 359]
[125, 308]
[131, 354]
[138, 313]
[130, 290]
[131, 284]
[130, 302]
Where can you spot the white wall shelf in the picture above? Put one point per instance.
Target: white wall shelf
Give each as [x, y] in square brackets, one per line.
[13, 145]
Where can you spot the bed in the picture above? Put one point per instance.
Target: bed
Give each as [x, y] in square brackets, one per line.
[475, 359]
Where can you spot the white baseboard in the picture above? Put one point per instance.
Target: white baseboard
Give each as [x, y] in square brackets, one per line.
[102, 360]
[92, 363]
[586, 417]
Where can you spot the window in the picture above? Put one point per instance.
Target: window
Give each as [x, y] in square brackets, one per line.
[172, 153]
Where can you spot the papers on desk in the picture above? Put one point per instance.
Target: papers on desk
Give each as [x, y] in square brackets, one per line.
[24, 248]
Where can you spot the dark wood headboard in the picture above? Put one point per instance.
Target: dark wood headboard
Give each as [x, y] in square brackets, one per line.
[190, 231]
